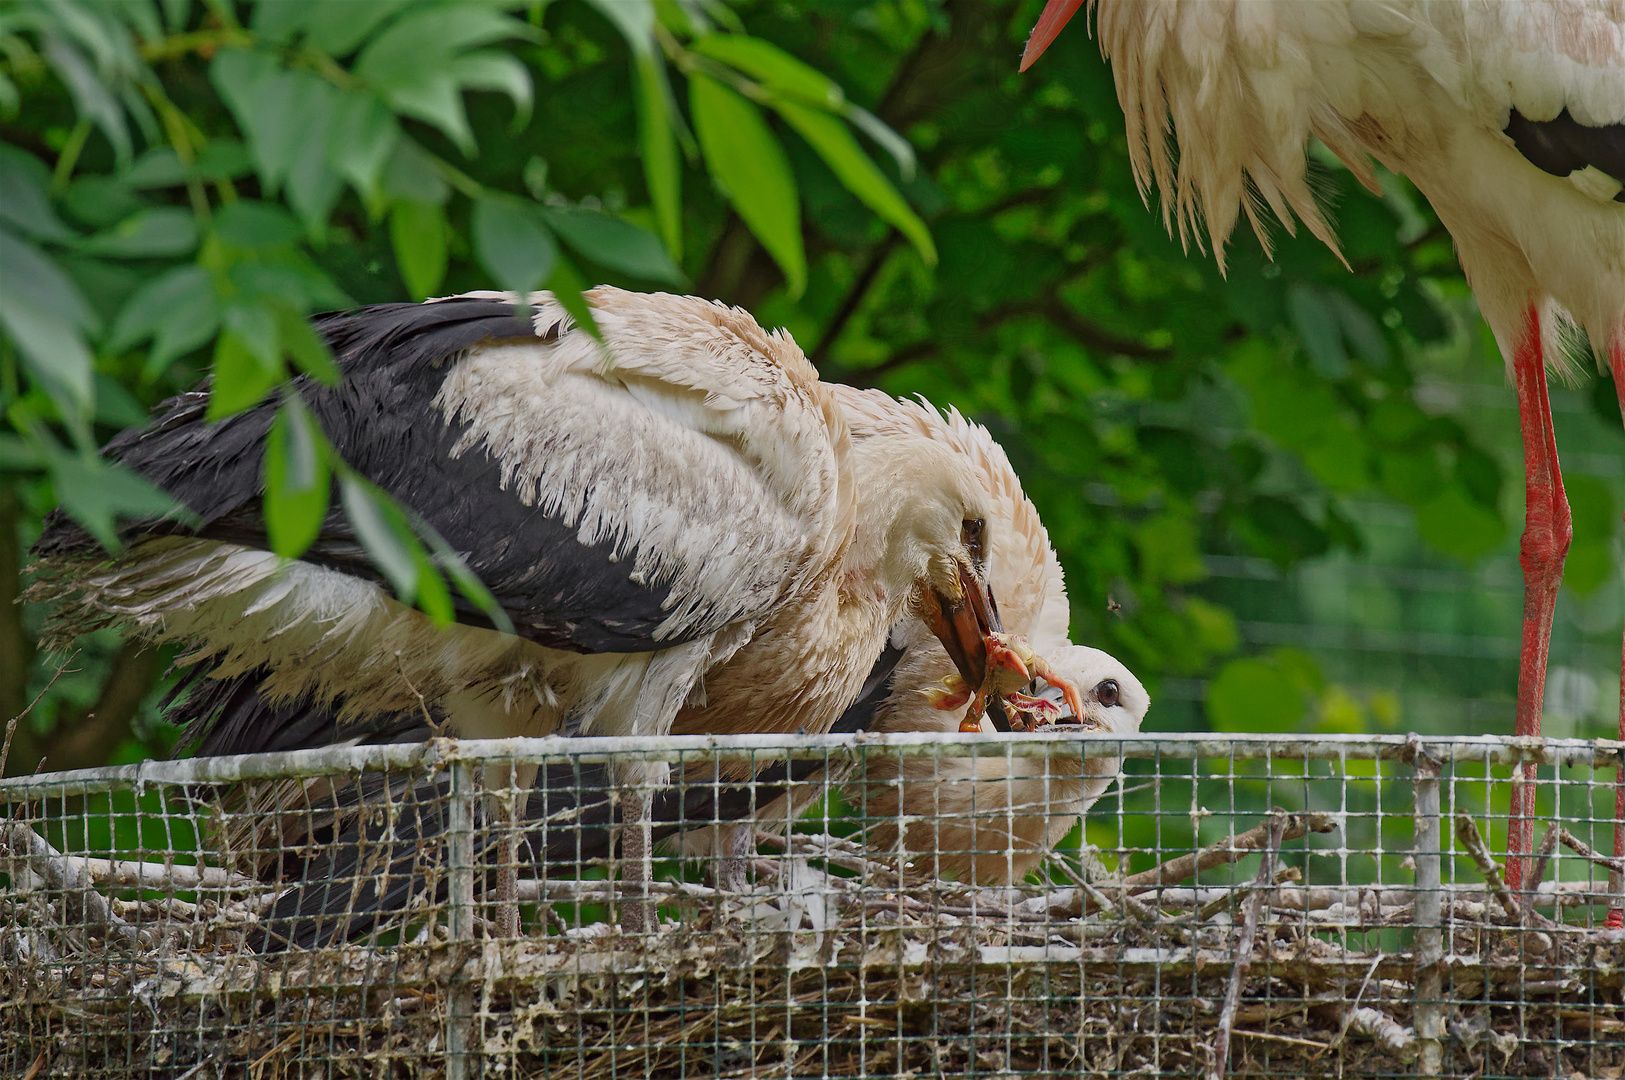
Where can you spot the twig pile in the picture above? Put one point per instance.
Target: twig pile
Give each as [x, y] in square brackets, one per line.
[834, 965]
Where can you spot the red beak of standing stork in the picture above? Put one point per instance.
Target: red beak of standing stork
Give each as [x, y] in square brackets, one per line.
[1509, 117]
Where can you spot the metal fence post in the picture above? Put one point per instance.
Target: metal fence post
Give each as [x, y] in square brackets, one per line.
[460, 1017]
[1429, 940]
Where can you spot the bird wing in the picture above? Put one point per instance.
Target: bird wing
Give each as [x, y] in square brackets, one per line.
[682, 475]
[1538, 58]
[1245, 86]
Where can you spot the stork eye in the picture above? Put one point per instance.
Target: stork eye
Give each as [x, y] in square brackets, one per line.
[1107, 692]
[973, 533]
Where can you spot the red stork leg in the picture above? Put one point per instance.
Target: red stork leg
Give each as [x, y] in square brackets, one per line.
[1616, 880]
[1546, 534]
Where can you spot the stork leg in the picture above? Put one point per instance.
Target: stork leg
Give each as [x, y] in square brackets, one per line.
[505, 820]
[1616, 880]
[635, 789]
[1546, 534]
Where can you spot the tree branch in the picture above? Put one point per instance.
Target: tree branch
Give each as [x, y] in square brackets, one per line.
[82, 740]
[854, 298]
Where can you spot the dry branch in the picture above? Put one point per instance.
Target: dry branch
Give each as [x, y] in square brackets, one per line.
[1271, 846]
[82, 904]
[1234, 849]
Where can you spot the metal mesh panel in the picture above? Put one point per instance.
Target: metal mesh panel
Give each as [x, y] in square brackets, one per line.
[1258, 906]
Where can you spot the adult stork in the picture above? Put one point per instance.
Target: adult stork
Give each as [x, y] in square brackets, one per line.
[1509, 117]
[984, 818]
[990, 818]
[681, 501]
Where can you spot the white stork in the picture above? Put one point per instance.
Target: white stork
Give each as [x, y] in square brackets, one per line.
[1011, 810]
[1508, 116]
[680, 503]
[988, 818]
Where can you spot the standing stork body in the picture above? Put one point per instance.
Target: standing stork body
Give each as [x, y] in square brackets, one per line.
[1509, 116]
[679, 502]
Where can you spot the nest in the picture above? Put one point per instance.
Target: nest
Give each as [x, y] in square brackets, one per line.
[835, 965]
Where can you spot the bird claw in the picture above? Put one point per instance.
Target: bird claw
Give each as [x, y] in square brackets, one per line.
[950, 694]
[1012, 665]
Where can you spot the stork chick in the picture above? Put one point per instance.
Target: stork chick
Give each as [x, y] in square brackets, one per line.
[991, 818]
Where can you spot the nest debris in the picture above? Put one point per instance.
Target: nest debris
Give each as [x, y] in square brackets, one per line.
[836, 965]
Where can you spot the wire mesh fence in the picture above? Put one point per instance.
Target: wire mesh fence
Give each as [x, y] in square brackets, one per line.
[1263, 906]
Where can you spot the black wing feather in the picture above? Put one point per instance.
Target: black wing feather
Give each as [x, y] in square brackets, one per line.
[381, 419]
[1564, 145]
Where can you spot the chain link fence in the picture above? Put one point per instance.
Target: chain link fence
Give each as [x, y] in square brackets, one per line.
[1261, 906]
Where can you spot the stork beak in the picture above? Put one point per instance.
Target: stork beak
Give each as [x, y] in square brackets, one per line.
[962, 626]
[1055, 16]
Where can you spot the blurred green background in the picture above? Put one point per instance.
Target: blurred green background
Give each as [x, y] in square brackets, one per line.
[1288, 498]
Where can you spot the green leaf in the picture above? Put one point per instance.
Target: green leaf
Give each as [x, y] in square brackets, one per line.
[241, 377]
[92, 98]
[298, 479]
[159, 167]
[635, 19]
[388, 537]
[301, 342]
[177, 309]
[901, 151]
[418, 233]
[45, 315]
[748, 164]
[513, 243]
[24, 180]
[567, 286]
[313, 185]
[658, 144]
[257, 326]
[773, 68]
[1591, 561]
[1254, 695]
[1315, 319]
[612, 242]
[249, 223]
[221, 159]
[334, 28]
[860, 175]
[1592, 509]
[361, 140]
[419, 64]
[96, 493]
[410, 175]
[160, 232]
[1167, 542]
[383, 531]
[268, 103]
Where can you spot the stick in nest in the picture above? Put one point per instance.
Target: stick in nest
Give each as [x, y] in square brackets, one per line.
[1276, 831]
[1234, 849]
[82, 905]
[1221, 853]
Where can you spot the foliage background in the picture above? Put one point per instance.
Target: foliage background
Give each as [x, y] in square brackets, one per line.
[1287, 498]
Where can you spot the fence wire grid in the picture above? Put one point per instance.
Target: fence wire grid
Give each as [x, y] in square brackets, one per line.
[1244, 906]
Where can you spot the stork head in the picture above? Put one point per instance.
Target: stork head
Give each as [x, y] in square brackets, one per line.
[934, 519]
[1113, 699]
